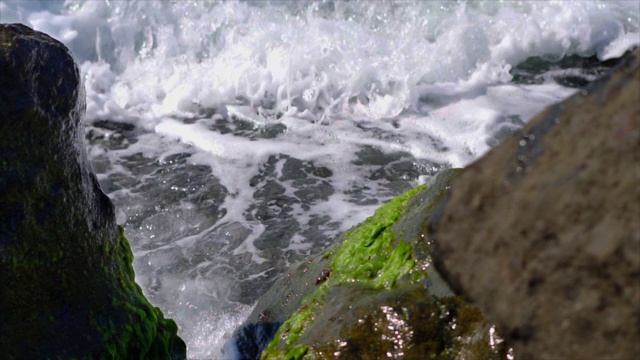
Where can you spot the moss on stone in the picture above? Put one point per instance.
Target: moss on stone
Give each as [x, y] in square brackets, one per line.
[147, 334]
[369, 254]
[380, 297]
[67, 286]
[366, 257]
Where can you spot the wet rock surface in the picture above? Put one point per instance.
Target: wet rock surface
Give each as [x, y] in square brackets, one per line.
[67, 286]
[543, 233]
[571, 71]
[372, 292]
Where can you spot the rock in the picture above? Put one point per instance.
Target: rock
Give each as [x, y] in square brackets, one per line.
[543, 233]
[250, 340]
[67, 286]
[372, 294]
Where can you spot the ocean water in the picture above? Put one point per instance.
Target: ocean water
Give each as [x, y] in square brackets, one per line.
[237, 137]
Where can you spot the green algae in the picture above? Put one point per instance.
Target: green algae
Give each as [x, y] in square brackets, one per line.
[380, 295]
[146, 333]
[126, 327]
[367, 257]
[67, 286]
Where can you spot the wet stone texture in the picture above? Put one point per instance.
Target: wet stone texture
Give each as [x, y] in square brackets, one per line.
[67, 286]
[571, 71]
[543, 233]
[373, 293]
[275, 208]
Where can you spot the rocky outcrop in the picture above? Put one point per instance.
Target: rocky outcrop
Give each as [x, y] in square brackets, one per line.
[67, 286]
[373, 293]
[543, 233]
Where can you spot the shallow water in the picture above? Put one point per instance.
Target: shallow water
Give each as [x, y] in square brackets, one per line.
[238, 137]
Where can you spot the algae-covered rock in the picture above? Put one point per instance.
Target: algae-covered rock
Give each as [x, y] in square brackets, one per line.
[375, 294]
[543, 233]
[67, 288]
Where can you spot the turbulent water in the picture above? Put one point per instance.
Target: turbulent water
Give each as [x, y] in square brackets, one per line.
[238, 137]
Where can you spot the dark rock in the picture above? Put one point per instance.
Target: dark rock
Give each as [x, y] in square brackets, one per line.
[570, 71]
[67, 286]
[543, 233]
[250, 341]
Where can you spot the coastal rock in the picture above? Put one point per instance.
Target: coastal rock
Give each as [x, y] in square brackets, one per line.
[543, 233]
[67, 286]
[373, 293]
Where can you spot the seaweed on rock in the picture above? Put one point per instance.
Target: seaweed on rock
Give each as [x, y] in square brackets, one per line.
[379, 295]
[67, 286]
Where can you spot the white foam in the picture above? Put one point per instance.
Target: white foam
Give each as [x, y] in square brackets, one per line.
[371, 60]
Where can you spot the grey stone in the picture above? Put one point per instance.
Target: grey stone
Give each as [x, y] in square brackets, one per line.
[543, 233]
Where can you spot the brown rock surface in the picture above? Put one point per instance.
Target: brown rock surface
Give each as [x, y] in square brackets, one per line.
[543, 233]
